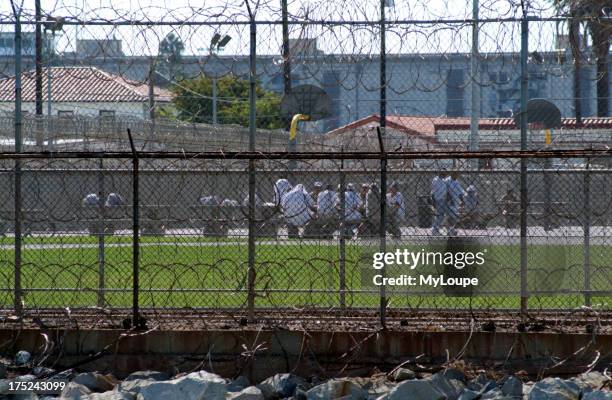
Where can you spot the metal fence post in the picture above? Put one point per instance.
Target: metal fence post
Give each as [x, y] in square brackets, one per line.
[101, 231]
[546, 175]
[38, 74]
[18, 305]
[383, 220]
[586, 221]
[523, 179]
[151, 101]
[383, 160]
[342, 260]
[136, 322]
[251, 273]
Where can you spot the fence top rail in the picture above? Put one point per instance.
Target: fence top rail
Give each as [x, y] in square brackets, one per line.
[283, 155]
[28, 20]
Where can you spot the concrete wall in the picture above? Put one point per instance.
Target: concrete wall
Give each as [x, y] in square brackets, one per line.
[57, 194]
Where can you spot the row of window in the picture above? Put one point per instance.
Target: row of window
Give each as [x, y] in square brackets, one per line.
[110, 114]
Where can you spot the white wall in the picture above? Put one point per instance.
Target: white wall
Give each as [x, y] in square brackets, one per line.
[133, 109]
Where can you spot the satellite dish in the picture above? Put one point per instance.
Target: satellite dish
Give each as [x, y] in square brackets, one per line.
[541, 112]
[306, 99]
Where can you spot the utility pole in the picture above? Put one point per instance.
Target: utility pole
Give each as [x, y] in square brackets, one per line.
[38, 80]
[217, 44]
[474, 144]
[286, 55]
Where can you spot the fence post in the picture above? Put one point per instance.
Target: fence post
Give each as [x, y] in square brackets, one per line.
[586, 221]
[251, 273]
[151, 100]
[101, 231]
[342, 260]
[136, 320]
[546, 175]
[18, 305]
[383, 220]
[523, 178]
[383, 159]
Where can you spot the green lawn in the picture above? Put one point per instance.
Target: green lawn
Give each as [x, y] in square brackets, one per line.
[175, 270]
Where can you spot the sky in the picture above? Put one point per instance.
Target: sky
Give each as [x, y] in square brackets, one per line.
[401, 38]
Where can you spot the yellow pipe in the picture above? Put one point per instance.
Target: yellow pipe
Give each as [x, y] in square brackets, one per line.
[548, 136]
[294, 123]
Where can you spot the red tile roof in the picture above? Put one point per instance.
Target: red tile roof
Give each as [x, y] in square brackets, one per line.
[427, 127]
[81, 85]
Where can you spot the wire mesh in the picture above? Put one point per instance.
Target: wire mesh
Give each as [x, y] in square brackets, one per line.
[311, 251]
[215, 79]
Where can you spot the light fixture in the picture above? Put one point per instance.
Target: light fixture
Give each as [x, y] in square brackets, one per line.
[224, 41]
[215, 40]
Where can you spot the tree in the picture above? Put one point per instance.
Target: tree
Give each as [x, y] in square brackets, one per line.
[193, 102]
[593, 13]
[170, 56]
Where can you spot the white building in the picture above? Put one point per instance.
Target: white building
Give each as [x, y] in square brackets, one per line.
[86, 91]
[418, 133]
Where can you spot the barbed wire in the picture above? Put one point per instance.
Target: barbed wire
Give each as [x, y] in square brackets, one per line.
[193, 249]
[422, 54]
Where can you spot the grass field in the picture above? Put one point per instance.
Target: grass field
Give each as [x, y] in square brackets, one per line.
[192, 271]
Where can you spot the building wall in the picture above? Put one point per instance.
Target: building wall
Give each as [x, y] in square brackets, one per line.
[137, 110]
[417, 84]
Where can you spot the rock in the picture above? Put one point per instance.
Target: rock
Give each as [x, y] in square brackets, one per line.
[527, 387]
[25, 396]
[280, 385]
[337, 389]
[196, 385]
[554, 389]
[66, 375]
[468, 394]
[150, 375]
[29, 396]
[594, 380]
[482, 384]
[238, 384]
[38, 371]
[415, 390]
[22, 357]
[453, 373]
[512, 387]
[95, 381]
[451, 388]
[597, 395]
[25, 378]
[496, 394]
[403, 374]
[74, 391]
[110, 395]
[133, 385]
[378, 389]
[250, 393]
[300, 394]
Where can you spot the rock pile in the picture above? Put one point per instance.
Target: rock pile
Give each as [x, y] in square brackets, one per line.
[402, 384]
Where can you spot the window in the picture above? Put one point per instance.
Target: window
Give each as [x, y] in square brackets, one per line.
[65, 113]
[454, 93]
[6, 43]
[110, 114]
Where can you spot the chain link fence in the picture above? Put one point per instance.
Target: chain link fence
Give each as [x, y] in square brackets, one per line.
[305, 239]
[278, 153]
